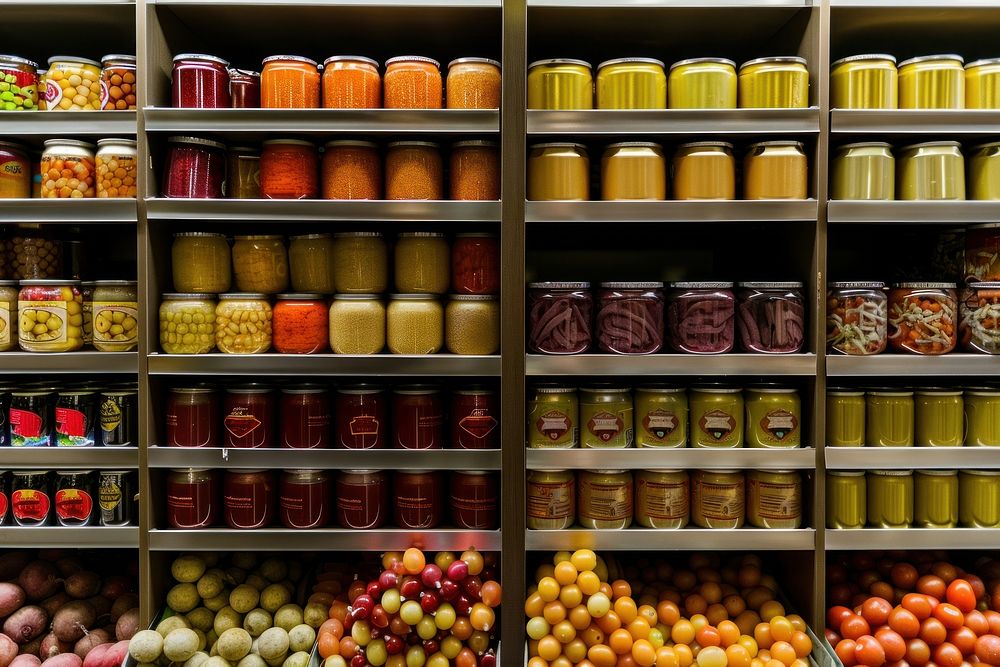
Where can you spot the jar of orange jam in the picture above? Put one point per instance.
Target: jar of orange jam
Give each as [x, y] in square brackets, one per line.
[412, 82]
[351, 82]
[289, 82]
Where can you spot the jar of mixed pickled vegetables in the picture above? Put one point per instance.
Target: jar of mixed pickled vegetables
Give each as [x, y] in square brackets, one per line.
[980, 313]
[415, 324]
[889, 418]
[935, 499]
[661, 417]
[360, 262]
[846, 499]
[71, 84]
[310, 259]
[890, 498]
[718, 498]
[630, 317]
[50, 316]
[771, 317]
[201, 262]
[701, 317]
[982, 417]
[117, 163]
[187, 323]
[856, 314]
[774, 499]
[559, 317]
[260, 263]
[922, 318]
[116, 316]
[243, 323]
[422, 262]
[118, 86]
[357, 324]
[472, 324]
[18, 84]
[68, 169]
[8, 315]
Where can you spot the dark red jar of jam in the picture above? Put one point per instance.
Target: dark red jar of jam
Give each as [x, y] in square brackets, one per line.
[475, 264]
[199, 81]
[304, 499]
[248, 417]
[475, 422]
[195, 168]
[474, 499]
[193, 417]
[74, 498]
[248, 498]
[244, 89]
[362, 499]
[192, 498]
[419, 498]
[305, 417]
[418, 418]
[362, 416]
[30, 499]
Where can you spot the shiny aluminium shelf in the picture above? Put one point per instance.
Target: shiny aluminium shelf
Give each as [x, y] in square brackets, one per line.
[686, 539]
[675, 121]
[913, 538]
[322, 539]
[83, 537]
[334, 3]
[73, 458]
[322, 210]
[323, 121]
[693, 4]
[69, 211]
[913, 4]
[69, 362]
[282, 459]
[914, 121]
[98, 124]
[905, 365]
[912, 212]
[910, 458]
[671, 211]
[663, 457]
[671, 364]
[324, 364]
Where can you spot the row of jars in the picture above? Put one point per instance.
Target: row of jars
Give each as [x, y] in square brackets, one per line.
[315, 417]
[944, 81]
[928, 171]
[899, 417]
[70, 169]
[203, 81]
[352, 499]
[643, 83]
[560, 171]
[348, 169]
[85, 414]
[712, 416]
[913, 499]
[345, 263]
[69, 84]
[245, 323]
[617, 499]
[68, 498]
[701, 317]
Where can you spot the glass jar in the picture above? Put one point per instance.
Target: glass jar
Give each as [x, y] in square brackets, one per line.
[357, 324]
[50, 316]
[845, 417]
[289, 82]
[193, 498]
[604, 499]
[243, 173]
[890, 498]
[558, 171]
[773, 417]
[19, 77]
[421, 263]
[299, 323]
[771, 317]
[606, 416]
[475, 419]
[559, 317]
[74, 498]
[704, 170]
[630, 317]
[32, 418]
[199, 81]
[351, 82]
[118, 87]
[472, 324]
[360, 262]
[889, 418]
[68, 169]
[305, 417]
[980, 312]
[117, 168]
[362, 414]
[864, 171]
[981, 84]
[248, 498]
[187, 323]
[76, 418]
[475, 264]
[304, 498]
[87, 294]
[717, 498]
[362, 499]
[116, 316]
[932, 82]
[8, 318]
[192, 418]
[631, 83]
[774, 499]
[33, 254]
[856, 314]
[982, 253]
[560, 84]
[351, 170]
[551, 499]
[780, 82]
[473, 83]
[661, 417]
[716, 416]
[201, 263]
[982, 417]
[867, 81]
[243, 323]
[30, 497]
[419, 417]
[195, 168]
[702, 83]
[71, 84]
[289, 169]
[260, 264]
[633, 170]
[310, 259]
[923, 318]
[413, 170]
[933, 170]
[244, 89]
[935, 499]
[662, 498]
[776, 170]
[983, 171]
[15, 171]
[979, 498]
[701, 317]
[248, 417]
[412, 82]
[846, 499]
[418, 499]
[475, 171]
[553, 417]
[474, 500]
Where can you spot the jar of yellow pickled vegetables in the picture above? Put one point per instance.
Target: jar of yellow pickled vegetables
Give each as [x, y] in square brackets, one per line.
[982, 416]
[846, 499]
[662, 498]
[360, 262]
[422, 263]
[553, 416]
[939, 419]
[243, 323]
[50, 316]
[116, 316]
[716, 416]
[604, 499]
[187, 323]
[201, 263]
[717, 498]
[8, 315]
[71, 84]
[414, 324]
[889, 418]
[260, 264]
[310, 260]
[357, 324]
[472, 324]
[606, 418]
[845, 417]
[773, 416]
[774, 499]
[890, 498]
[935, 499]
[550, 499]
[979, 498]
[661, 417]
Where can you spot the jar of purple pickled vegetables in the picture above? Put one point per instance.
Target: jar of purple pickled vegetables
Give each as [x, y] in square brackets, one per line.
[630, 318]
[199, 81]
[244, 89]
[195, 168]
[856, 318]
[559, 317]
[701, 317]
[771, 317]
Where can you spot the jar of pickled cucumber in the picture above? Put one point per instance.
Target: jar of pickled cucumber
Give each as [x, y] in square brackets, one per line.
[606, 418]
[846, 499]
[661, 417]
[604, 499]
[116, 316]
[243, 323]
[8, 315]
[979, 498]
[414, 324]
[889, 418]
[935, 499]
[845, 417]
[939, 419]
[187, 323]
[716, 416]
[550, 499]
[200, 263]
[50, 316]
[773, 416]
[310, 259]
[357, 324]
[662, 498]
[774, 499]
[472, 324]
[422, 263]
[717, 498]
[260, 264]
[360, 263]
[982, 416]
[71, 84]
[890, 498]
[553, 416]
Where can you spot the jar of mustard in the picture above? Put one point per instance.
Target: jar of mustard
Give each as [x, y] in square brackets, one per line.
[979, 498]
[982, 417]
[201, 263]
[606, 418]
[360, 262]
[774, 499]
[939, 418]
[260, 264]
[716, 416]
[662, 498]
[116, 316]
[704, 170]
[551, 499]
[845, 417]
[604, 499]
[357, 324]
[50, 316]
[422, 262]
[414, 324]
[472, 324]
[187, 323]
[633, 170]
[558, 171]
[846, 499]
[243, 323]
[890, 498]
[776, 82]
[889, 418]
[717, 498]
[310, 260]
[553, 415]
[935, 499]
[773, 417]
[661, 417]
[776, 170]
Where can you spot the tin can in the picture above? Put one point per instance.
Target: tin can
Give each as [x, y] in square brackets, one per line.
[74, 497]
[551, 499]
[31, 418]
[717, 498]
[631, 83]
[932, 82]
[939, 418]
[935, 499]
[119, 418]
[864, 171]
[4, 499]
[30, 499]
[716, 416]
[846, 499]
[984, 172]
[866, 81]
[773, 416]
[979, 498]
[702, 83]
[633, 170]
[560, 84]
[558, 172]
[934, 170]
[982, 84]
[661, 417]
[606, 418]
[890, 498]
[604, 499]
[779, 82]
[662, 498]
[5, 398]
[553, 416]
[982, 417]
[704, 170]
[76, 418]
[845, 418]
[775, 170]
[774, 499]
[114, 495]
[889, 418]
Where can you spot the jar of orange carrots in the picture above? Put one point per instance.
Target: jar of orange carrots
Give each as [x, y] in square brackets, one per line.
[473, 83]
[351, 170]
[289, 169]
[413, 171]
[289, 82]
[475, 170]
[300, 324]
[412, 82]
[351, 82]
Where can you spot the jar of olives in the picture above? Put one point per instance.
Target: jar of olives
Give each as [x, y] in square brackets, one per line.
[243, 323]
[116, 316]
[50, 316]
[187, 323]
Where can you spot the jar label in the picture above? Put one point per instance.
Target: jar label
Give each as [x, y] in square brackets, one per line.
[73, 504]
[605, 426]
[4, 324]
[72, 429]
[42, 322]
[241, 425]
[550, 500]
[12, 168]
[364, 426]
[717, 424]
[4, 504]
[606, 502]
[779, 423]
[29, 504]
[479, 423]
[663, 500]
[554, 424]
[246, 511]
[775, 501]
[105, 93]
[116, 322]
[111, 415]
[26, 429]
[720, 501]
[660, 423]
[109, 495]
[52, 93]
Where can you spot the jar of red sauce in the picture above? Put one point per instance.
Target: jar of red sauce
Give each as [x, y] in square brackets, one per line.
[475, 420]
[192, 498]
[300, 324]
[418, 417]
[419, 498]
[304, 499]
[474, 500]
[475, 264]
[289, 169]
[248, 417]
[244, 89]
[362, 499]
[362, 414]
[305, 417]
[192, 417]
[199, 81]
[248, 498]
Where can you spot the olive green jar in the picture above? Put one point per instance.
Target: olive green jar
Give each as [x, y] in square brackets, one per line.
[979, 498]
[846, 499]
[889, 418]
[935, 499]
[939, 418]
[890, 498]
[845, 418]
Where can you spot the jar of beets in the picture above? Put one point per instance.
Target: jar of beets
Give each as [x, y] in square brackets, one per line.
[418, 415]
[701, 317]
[304, 499]
[362, 499]
[419, 498]
[475, 264]
[630, 317]
[193, 417]
[305, 417]
[195, 168]
[248, 498]
[559, 317]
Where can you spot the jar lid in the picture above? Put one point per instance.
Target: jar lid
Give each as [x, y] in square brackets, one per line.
[892, 473]
[190, 470]
[74, 472]
[463, 61]
[8, 283]
[846, 473]
[115, 472]
[983, 62]
[606, 472]
[344, 143]
[472, 472]
[889, 391]
[304, 471]
[435, 235]
[69, 142]
[360, 472]
[201, 56]
[982, 391]
[352, 59]
[939, 391]
[30, 473]
[243, 73]
[295, 59]
[360, 390]
[177, 296]
[979, 147]
[622, 61]
[293, 142]
[768, 388]
[192, 390]
[551, 389]
[632, 285]
[857, 284]
[34, 392]
[475, 235]
[242, 471]
[10, 145]
[357, 297]
[72, 59]
[774, 59]
[671, 471]
[660, 389]
[793, 284]
[866, 144]
[990, 473]
[707, 144]
[250, 388]
[727, 471]
[699, 61]
[686, 284]
[346, 235]
[558, 61]
[776, 143]
[416, 59]
[417, 389]
[212, 234]
[716, 389]
[77, 392]
[634, 144]
[118, 58]
[844, 391]
[560, 285]
[475, 143]
[115, 283]
[933, 144]
[938, 473]
[299, 296]
[605, 390]
[242, 295]
[986, 284]
[939, 56]
[474, 391]
[257, 237]
[304, 389]
[561, 144]
[405, 144]
[18, 60]
[309, 237]
[864, 56]
[928, 285]
[115, 141]
[196, 140]
[472, 297]
[49, 282]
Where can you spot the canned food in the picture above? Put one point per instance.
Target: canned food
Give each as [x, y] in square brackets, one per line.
[552, 418]
[864, 171]
[934, 170]
[939, 418]
[717, 498]
[114, 495]
[119, 418]
[773, 416]
[846, 499]
[982, 417]
[606, 418]
[935, 499]
[932, 82]
[661, 417]
[633, 170]
[703, 83]
[890, 498]
[889, 418]
[551, 499]
[631, 83]
[774, 499]
[775, 170]
[31, 419]
[74, 499]
[845, 418]
[76, 417]
[984, 171]
[716, 417]
[558, 172]
[604, 499]
[867, 81]
[979, 498]
[704, 170]
[30, 501]
[662, 498]
[982, 84]
[780, 82]
[560, 84]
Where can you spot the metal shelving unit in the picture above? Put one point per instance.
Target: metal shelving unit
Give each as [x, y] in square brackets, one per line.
[864, 539]
[96, 124]
[671, 211]
[68, 211]
[322, 121]
[672, 364]
[324, 364]
[322, 539]
[75, 458]
[914, 121]
[69, 362]
[282, 459]
[749, 122]
[322, 211]
[62, 537]
[685, 539]
[907, 458]
[956, 364]
[913, 212]
[655, 457]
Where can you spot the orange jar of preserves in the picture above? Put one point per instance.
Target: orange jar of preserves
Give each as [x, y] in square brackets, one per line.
[412, 82]
[413, 171]
[351, 170]
[475, 171]
[351, 82]
[289, 82]
[289, 170]
[473, 83]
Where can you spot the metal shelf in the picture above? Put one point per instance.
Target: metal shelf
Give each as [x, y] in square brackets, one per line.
[69, 362]
[322, 539]
[322, 210]
[686, 539]
[912, 458]
[955, 364]
[98, 124]
[672, 364]
[323, 364]
[68, 211]
[913, 538]
[661, 457]
[913, 4]
[280, 459]
[672, 211]
[334, 3]
[681, 4]
[76, 458]
[913, 212]
[84, 537]
[914, 121]
[675, 121]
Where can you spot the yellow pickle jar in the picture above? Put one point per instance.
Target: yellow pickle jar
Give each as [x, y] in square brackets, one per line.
[631, 83]
[117, 163]
[702, 83]
[414, 324]
[8, 315]
[560, 84]
[982, 417]
[310, 262]
[422, 263]
[939, 418]
[982, 84]
[604, 499]
[935, 499]
[633, 170]
[67, 170]
[558, 172]
[50, 316]
[932, 82]
[717, 498]
[773, 417]
[774, 499]
[890, 498]
[866, 81]
[553, 415]
[116, 316]
[704, 170]
[187, 323]
[551, 499]
[775, 170]
[933, 170]
[243, 323]
[201, 263]
[979, 498]
[864, 171]
[778, 82]
[716, 416]
[70, 84]
[889, 418]
[472, 324]
[260, 263]
[661, 417]
[846, 499]
[983, 178]
[845, 417]
[662, 498]
[357, 324]
[606, 418]
[360, 262]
